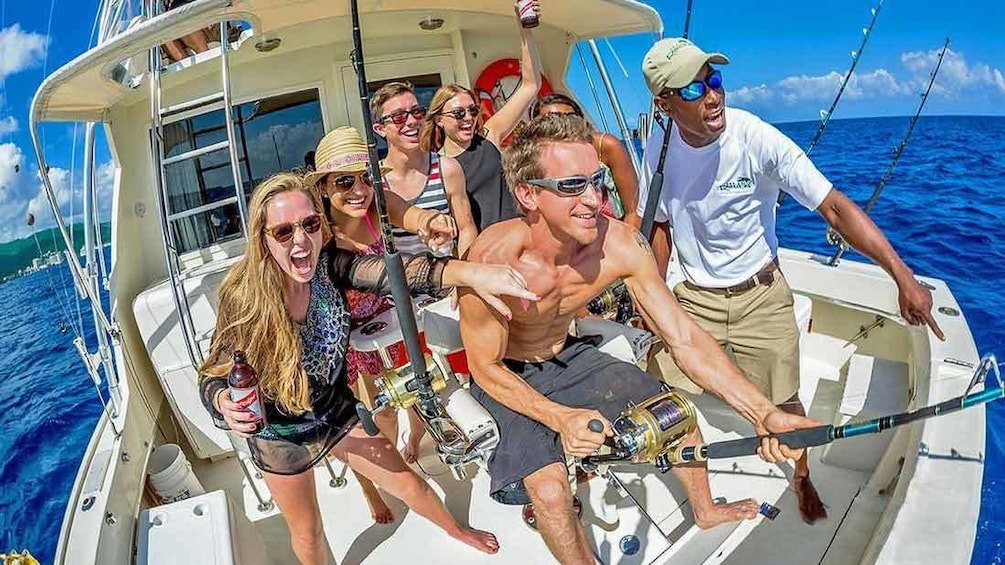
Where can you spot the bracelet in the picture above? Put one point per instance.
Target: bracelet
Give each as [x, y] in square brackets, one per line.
[216, 399]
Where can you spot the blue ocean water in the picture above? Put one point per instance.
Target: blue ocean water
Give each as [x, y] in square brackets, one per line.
[940, 210]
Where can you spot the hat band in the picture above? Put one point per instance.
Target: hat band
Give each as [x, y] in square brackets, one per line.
[339, 162]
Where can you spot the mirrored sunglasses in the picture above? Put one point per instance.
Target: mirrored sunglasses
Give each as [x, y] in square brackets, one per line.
[698, 88]
[284, 232]
[574, 186]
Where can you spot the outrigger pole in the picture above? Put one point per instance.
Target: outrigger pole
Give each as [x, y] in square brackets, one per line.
[825, 115]
[835, 238]
[656, 183]
[395, 266]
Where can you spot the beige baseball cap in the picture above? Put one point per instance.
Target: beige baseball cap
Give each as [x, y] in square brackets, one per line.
[674, 62]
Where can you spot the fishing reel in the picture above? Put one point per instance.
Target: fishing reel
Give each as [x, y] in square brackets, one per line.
[399, 387]
[463, 430]
[650, 432]
[613, 303]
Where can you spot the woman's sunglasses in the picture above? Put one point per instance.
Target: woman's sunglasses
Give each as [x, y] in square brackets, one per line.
[458, 113]
[345, 182]
[284, 232]
[574, 186]
[399, 117]
[698, 88]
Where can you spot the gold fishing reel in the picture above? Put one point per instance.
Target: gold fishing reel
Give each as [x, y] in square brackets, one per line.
[399, 388]
[656, 426]
[650, 432]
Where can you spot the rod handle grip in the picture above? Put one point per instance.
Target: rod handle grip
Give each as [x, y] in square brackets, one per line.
[796, 439]
[596, 426]
[366, 419]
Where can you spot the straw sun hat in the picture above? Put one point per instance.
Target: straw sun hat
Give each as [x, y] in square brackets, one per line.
[342, 150]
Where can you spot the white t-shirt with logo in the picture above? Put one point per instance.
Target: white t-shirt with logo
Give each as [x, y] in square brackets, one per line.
[720, 199]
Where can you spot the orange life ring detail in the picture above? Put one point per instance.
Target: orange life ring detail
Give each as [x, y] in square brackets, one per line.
[492, 92]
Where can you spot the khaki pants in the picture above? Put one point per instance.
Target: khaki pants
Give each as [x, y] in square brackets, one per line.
[758, 325]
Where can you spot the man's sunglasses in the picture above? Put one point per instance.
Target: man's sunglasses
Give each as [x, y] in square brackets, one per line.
[284, 232]
[574, 186]
[698, 88]
[345, 182]
[399, 117]
[458, 113]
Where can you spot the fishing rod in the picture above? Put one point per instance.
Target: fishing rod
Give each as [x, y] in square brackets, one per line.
[652, 431]
[835, 238]
[392, 258]
[825, 115]
[656, 183]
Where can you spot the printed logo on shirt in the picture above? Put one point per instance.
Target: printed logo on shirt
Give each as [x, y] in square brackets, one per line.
[739, 185]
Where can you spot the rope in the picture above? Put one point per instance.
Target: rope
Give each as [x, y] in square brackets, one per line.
[73, 244]
[64, 308]
[3, 81]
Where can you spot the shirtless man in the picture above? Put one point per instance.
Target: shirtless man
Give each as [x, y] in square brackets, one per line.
[544, 387]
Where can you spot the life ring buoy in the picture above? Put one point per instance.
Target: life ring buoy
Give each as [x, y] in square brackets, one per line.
[497, 83]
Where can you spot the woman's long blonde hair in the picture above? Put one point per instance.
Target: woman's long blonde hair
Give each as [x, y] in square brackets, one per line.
[251, 309]
[432, 136]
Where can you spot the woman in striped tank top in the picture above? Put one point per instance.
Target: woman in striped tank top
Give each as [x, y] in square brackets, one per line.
[422, 179]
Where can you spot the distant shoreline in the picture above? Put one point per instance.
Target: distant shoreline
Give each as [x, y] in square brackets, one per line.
[18, 255]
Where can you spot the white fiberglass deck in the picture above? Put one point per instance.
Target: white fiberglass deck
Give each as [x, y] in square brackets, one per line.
[608, 514]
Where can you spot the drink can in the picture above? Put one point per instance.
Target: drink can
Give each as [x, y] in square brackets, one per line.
[528, 17]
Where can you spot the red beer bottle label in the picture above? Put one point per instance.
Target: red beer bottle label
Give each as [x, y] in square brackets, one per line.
[244, 389]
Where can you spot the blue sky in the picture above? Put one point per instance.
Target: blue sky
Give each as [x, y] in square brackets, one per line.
[786, 60]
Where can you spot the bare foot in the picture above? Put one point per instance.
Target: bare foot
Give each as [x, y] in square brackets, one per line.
[410, 453]
[379, 510]
[482, 541]
[726, 512]
[810, 506]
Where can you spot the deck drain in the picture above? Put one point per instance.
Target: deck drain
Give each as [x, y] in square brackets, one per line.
[630, 545]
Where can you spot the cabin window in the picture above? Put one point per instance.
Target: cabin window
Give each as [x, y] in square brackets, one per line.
[273, 134]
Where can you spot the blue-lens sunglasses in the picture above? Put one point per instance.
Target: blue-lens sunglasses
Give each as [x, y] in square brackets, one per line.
[698, 88]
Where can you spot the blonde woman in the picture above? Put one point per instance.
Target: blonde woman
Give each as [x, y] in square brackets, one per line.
[454, 128]
[284, 304]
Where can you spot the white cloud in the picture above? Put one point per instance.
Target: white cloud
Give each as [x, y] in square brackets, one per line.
[803, 88]
[20, 50]
[955, 77]
[8, 125]
[22, 192]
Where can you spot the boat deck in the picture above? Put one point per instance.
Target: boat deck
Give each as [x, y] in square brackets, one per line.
[609, 514]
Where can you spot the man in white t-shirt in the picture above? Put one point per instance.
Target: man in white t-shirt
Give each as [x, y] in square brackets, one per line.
[723, 173]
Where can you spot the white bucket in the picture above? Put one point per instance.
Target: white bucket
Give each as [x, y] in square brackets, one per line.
[171, 474]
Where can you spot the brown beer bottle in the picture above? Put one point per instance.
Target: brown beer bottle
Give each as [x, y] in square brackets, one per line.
[244, 390]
